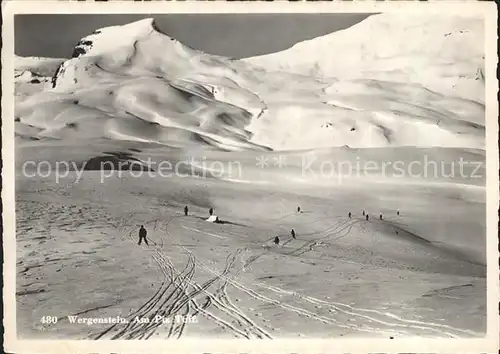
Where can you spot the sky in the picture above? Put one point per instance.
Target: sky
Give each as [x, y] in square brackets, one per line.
[231, 35]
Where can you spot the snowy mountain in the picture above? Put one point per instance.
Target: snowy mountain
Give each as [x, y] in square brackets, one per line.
[444, 54]
[134, 83]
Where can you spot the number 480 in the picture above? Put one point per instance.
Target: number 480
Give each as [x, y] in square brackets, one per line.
[48, 319]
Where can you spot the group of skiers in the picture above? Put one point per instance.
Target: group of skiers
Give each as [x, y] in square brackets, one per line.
[143, 233]
[277, 239]
[210, 211]
[292, 232]
[367, 217]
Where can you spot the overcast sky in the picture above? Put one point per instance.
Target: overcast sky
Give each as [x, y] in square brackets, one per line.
[232, 35]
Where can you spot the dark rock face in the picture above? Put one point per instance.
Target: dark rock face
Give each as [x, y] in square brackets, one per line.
[77, 51]
[54, 78]
[81, 48]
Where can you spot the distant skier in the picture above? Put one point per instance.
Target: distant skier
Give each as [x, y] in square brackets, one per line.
[142, 235]
[380, 216]
[367, 217]
[349, 215]
[293, 233]
[277, 240]
[211, 211]
[397, 213]
[186, 210]
[298, 209]
[364, 213]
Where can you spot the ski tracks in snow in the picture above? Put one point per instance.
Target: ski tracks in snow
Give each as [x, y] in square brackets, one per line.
[181, 294]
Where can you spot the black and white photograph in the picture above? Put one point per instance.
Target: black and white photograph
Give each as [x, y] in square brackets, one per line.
[252, 176]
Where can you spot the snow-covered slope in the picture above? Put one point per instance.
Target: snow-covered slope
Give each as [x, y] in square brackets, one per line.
[443, 53]
[134, 83]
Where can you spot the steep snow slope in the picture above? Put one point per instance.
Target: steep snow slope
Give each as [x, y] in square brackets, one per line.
[134, 83]
[443, 53]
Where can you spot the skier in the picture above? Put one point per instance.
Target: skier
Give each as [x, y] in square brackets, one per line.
[293, 233]
[380, 216]
[349, 215]
[298, 209]
[186, 210]
[397, 213]
[142, 235]
[211, 211]
[367, 217]
[364, 213]
[277, 240]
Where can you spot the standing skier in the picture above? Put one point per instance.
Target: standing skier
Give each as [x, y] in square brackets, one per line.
[186, 210]
[293, 233]
[277, 240]
[142, 235]
[211, 211]
[349, 215]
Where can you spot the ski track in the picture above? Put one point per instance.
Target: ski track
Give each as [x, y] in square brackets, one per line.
[222, 301]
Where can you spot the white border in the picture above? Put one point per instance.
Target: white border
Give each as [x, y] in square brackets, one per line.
[490, 343]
